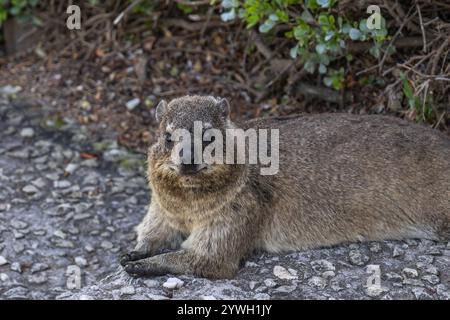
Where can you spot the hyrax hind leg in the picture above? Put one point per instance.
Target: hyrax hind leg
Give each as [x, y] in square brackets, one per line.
[154, 235]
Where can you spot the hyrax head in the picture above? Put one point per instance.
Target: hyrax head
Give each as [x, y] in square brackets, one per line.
[190, 128]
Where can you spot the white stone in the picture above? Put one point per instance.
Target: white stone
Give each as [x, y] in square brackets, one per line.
[270, 283]
[4, 277]
[10, 90]
[328, 274]
[29, 189]
[151, 283]
[80, 261]
[27, 133]
[410, 273]
[3, 261]
[71, 168]
[133, 103]
[374, 291]
[281, 273]
[173, 283]
[317, 282]
[62, 184]
[128, 290]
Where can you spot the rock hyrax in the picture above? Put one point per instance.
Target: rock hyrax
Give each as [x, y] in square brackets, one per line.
[341, 178]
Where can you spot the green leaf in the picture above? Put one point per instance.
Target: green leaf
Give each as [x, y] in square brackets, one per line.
[322, 69]
[307, 17]
[229, 4]
[407, 89]
[310, 66]
[324, 3]
[293, 52]
[266, 26]
[228, 15]
[321, 48]
[301, 31]
[323, 20]
[355, 34]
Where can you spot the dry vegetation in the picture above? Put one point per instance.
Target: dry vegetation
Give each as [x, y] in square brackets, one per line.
[131, 49]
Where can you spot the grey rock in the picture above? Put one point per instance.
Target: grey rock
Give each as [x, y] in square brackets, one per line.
[107, 245]
[80, 261]
[15, 266]
[38, 267]
[322, 265]
[4, 277]
[285, 289]
[17, 224]
[421, 294]
[270, 283]
[30, 189]
[397, 252]
[357, 258]
[39, 278]
[151, 283]
[410, 273]
[443, 292]
[431, 279]
[281, 273]
[317, 282]
[128, 290]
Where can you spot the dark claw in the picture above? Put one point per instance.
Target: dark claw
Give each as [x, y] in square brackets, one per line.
[124, 259]
[133, 256]
[140, 269]
[134, 269]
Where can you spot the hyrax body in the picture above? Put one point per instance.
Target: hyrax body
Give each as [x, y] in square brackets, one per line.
[341, 178]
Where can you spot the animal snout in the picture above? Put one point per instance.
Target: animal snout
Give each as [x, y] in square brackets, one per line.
[188, 169]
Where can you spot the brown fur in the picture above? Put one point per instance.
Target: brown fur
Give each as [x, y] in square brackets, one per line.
[342, 178]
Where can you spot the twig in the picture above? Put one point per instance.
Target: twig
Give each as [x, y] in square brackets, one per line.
[427, 76]
[408, 17]
[422, 28]
[124, 12]
[440, 120]
[205, 25]
[438, 55]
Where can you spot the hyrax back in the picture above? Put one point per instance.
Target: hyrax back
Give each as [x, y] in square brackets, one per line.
[341, 178]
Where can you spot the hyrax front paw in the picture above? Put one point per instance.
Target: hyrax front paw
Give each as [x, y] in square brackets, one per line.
[133, 256]
[144, 268]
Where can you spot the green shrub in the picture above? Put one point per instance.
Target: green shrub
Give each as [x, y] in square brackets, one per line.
[16, 8]
[319, 34]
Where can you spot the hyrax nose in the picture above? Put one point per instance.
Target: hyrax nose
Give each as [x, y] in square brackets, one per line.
[189, 169]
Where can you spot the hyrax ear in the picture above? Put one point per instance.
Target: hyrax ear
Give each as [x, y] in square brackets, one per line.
[161, 108]
[225, 107]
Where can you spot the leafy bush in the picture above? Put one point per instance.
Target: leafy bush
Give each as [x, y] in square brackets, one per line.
[320, 35]
[17, 8]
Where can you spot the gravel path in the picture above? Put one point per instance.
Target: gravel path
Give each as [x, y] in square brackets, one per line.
[65, 217]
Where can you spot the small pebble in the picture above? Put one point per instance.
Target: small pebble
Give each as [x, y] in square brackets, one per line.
[173, 283]
[128, 290]
[281, 273]
[27, 133]
[3, 261]
[410, 273]
[133, 103]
